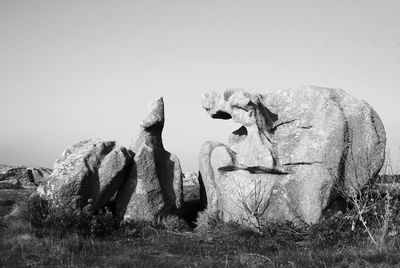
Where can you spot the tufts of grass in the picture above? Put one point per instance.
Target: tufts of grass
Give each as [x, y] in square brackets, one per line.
[173, 223]
[38, 234]
[206, 221]
[145, 244]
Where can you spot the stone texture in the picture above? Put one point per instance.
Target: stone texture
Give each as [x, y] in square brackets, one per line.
[89, 170]
[23, 177]
[141, 183]
[156, 190]
[293, 148]
[40, 175]
[147, 201]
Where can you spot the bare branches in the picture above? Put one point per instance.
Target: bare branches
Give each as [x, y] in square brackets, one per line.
[254, 203]
[373, 208]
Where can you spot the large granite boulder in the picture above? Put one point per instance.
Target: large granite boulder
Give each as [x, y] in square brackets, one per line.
[295, 148]
[90, 171]
[156, 190]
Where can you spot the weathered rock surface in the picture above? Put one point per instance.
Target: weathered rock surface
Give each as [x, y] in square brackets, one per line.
[89, 170]
[292, 150]
[23, 177]
[156, 190]
[141, 183]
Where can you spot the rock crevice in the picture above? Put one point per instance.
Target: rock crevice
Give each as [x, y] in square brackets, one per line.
[143, 182]
[298, 165]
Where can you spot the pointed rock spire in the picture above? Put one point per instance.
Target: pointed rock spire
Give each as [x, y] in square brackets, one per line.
[157, 182]
[155, 115]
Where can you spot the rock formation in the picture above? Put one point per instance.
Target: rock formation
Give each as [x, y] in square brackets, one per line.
[90, 171]
[24, 177]
[294, 148]
[157, 189]
[141, 183]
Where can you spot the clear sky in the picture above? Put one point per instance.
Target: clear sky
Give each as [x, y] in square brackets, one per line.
[71, 70]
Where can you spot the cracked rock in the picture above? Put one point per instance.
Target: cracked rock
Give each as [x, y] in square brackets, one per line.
[155, 188]
[291, 150]
[90, 171]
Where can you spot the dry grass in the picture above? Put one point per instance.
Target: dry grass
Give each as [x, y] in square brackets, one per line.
[38, 236]
[151, 245]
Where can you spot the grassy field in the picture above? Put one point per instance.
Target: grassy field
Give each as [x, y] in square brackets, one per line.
[367, 234]
[148, 246]
[172, 243]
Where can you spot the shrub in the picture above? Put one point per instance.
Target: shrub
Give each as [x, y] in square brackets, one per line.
[206, 221]
[333, 231]
[284, 234]
[174, 224]
[373, 211]
[42, 214]
[35, 210]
